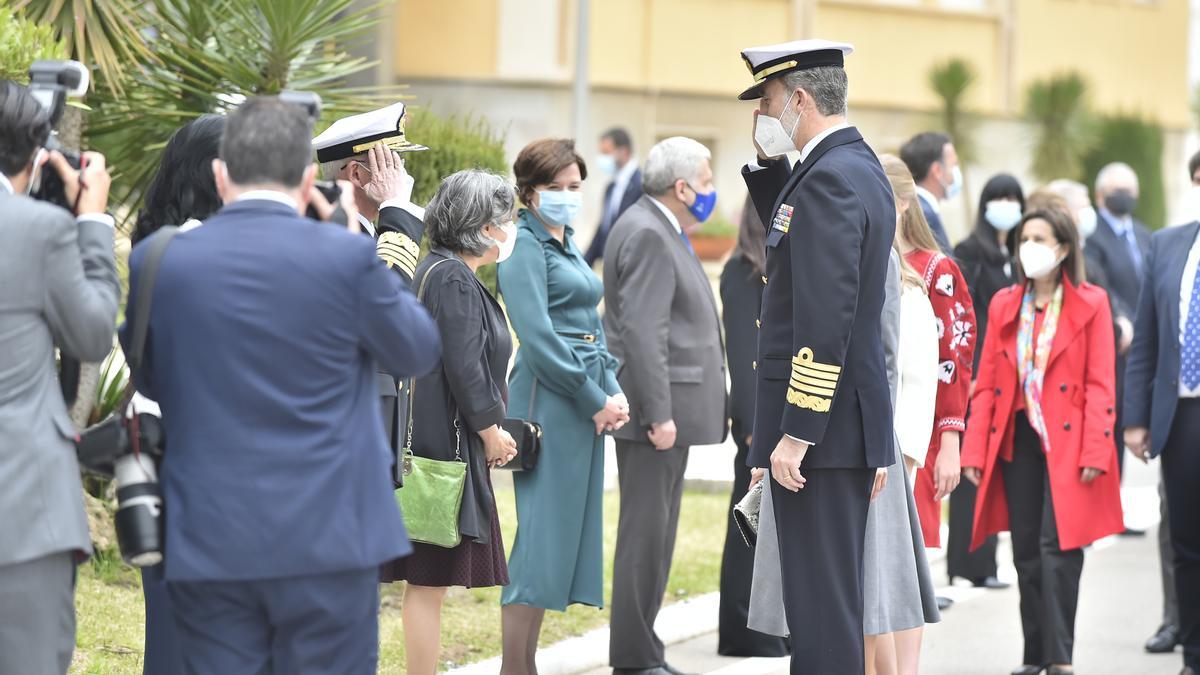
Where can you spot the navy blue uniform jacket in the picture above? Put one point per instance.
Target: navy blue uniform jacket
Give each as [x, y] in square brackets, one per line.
[821, 373]
[266, 332]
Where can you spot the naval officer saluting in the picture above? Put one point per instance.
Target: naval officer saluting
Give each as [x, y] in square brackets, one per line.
[823, 421]
[365, 150]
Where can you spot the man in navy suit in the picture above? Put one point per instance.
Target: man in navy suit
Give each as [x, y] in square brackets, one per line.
[616, 159]
[1162, 405]
[823, 417]
[931, 158]
[265, 333]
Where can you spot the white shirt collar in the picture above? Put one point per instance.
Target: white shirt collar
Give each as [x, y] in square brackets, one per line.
[270, 196]
[366, 225]
[816, 140]
[6, 185]
[667, 212]
[933, 202]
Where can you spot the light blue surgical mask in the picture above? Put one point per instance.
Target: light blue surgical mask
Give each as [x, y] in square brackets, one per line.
[954, 189]
[607, 164]
[1003, 214]
[559, 206]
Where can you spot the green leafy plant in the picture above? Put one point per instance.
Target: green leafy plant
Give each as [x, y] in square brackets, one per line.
[114, 377]
[1139, 143]
[103, 33]
[950, 81]
[1058, 110]
[22, 42]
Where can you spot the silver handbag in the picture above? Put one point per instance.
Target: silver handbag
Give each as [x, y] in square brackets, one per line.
[745, 513]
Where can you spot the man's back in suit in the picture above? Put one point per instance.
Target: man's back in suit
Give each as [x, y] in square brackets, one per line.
[263, 334]
[631, 192]
[934, 218]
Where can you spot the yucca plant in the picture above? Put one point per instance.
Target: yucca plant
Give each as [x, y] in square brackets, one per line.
[114, 377]
[1058, 110]
[951, 81]
[103, 33]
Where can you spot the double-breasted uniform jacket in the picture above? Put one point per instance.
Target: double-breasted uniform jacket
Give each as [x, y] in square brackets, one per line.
[1078, 403]
[821, 371]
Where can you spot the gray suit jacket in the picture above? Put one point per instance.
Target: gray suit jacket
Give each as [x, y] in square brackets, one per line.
[58, 287]
[662, 325]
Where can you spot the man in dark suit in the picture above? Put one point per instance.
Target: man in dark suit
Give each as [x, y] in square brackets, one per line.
[1162, 405]
[662, 325]
[263, 341]
[616, 160]
[1118, 249]
[823, 422]
[931, 158]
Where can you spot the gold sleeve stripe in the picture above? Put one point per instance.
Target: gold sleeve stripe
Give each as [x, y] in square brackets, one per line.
[829, 378]
[821, 391]
[812, 381]
[388, 251]
[393, 257]
[401, 240]
[805, 358]
[802, 400]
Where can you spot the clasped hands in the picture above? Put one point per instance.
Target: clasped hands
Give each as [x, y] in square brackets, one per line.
[613, 415]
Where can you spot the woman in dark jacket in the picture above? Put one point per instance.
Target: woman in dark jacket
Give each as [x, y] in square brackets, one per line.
[457, 409]
[985, 259]
[741, 296]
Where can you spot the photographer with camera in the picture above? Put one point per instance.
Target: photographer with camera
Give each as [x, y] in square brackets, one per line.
[264, 338]
[58, 287]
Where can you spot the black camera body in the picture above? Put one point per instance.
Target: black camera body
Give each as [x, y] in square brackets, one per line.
[51, 83]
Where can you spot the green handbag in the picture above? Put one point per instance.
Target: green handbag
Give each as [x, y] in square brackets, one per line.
[433, 489]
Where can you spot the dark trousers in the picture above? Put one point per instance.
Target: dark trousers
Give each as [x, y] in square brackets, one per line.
[162, 655]
[960, 560]
[1166, 558]
[1047, 576]
[324, 624]
[737, 570]
[651, 485]
[821, 532]
[1181, 473]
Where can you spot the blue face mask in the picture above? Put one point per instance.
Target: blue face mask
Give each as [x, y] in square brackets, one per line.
[559, 206]
[703, 207]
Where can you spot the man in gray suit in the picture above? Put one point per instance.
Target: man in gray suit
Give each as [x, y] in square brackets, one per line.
[662, 324]
[58, 287]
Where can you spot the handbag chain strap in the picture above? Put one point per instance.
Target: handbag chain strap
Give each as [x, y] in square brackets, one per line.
[412, 383]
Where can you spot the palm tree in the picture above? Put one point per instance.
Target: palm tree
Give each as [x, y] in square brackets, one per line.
[106, 33]
[1058, 110]
[951, 81]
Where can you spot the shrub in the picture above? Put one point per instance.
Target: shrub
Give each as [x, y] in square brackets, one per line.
[1139, 143]
[1058, 110]
[22, 42]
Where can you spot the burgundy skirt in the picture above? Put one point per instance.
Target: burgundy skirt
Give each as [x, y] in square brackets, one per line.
[470, 564]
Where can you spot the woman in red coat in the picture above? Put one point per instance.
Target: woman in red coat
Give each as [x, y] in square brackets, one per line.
[1039, 442]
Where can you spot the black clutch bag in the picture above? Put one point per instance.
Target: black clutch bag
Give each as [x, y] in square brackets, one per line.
[528, 436]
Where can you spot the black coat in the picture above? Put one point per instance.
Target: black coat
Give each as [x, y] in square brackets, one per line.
[470, 388]
[1109, 254]
[741, 298]
[985, 275]
[821, 372]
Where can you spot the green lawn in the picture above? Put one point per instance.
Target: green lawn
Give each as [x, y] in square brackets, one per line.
[110, 614]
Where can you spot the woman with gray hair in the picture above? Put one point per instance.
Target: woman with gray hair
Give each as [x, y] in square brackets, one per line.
[458, 411]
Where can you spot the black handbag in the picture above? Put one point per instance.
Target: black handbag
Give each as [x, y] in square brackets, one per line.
[528, 436]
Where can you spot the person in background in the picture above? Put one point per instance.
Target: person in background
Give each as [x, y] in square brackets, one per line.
[58, 290]
[741, 298]
[457, 410]
[985, 259]
[1079, 203]
[1039, 438]
[931, 159]
[1162, 404]
[183, 192]
[565, 380]
[664, 328]
[899, 593]
[1117, 250]
[280, 519]
[616, 160]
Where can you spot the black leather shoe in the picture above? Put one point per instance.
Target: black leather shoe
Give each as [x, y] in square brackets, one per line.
[944, 603]
[1130, 532]
[1164, 640]
[991, 583]
[673, 670]
[1058, 670]
[1028, 670]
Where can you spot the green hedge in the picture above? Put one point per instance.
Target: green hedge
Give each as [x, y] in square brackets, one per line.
[1139, 143]
[22, 42]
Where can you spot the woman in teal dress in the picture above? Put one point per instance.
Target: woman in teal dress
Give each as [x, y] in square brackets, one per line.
[565, 380]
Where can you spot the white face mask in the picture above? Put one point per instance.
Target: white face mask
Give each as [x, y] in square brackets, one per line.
[1086, 218]
[956, 183]
[1038, 260]
[607, 164]
[1002, 214]
[770, 135]
[510, 241]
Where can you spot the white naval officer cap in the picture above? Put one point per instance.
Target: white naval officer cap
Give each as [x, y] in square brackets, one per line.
[773, 60]
[356, 134]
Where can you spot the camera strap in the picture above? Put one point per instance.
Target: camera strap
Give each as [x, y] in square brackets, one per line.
[155, 249]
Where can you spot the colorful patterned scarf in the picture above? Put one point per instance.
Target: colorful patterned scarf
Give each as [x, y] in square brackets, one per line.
[1031, 360]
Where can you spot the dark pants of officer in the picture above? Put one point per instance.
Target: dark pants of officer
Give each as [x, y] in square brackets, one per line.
[821, 531]
[651, 491]
[321, 624]
[1181, 473]
[1047, 576]
[737, 572]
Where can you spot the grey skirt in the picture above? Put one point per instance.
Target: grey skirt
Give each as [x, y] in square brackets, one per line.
[898, 587]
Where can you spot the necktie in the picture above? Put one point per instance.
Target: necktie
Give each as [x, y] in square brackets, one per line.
[1189, 357]
[1135, 253]
[687, 242]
